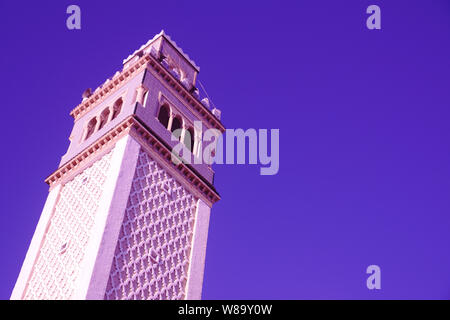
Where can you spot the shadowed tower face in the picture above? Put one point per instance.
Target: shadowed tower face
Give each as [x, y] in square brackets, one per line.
[122, 220]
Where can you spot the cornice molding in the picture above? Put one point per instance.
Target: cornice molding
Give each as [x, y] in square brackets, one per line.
[108, 88]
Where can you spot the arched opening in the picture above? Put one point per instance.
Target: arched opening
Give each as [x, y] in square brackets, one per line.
[103, 118]
[176, 124]
[189, 139]
[163, 115]
[90, 127]
[117, 108]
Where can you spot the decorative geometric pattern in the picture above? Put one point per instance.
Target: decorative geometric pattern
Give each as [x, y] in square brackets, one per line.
[152, 255]
[62, 250]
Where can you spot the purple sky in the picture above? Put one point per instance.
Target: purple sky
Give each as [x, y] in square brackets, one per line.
[364, 130]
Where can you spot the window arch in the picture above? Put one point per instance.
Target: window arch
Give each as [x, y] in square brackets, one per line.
[103, 118]
[90, 127]
[176, 124]
[189, 139]
[163, 115]
[117, 108]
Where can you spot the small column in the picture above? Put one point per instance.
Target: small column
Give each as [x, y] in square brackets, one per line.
[111, 111]
[169, 125]
[197, 143]
[97, 124]
[198, 147]
[194, 148]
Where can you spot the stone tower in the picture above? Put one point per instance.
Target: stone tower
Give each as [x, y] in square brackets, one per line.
[122, 220]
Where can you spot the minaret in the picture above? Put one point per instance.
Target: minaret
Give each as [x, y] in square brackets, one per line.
[122, 220]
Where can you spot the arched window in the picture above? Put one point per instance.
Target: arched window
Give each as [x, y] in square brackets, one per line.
[176, 124]
[117, 108]
[90, 128]
[103, 118]
[189, 139]
[163, 115]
